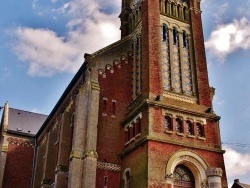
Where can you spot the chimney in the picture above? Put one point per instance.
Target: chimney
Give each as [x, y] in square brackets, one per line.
[236, 181]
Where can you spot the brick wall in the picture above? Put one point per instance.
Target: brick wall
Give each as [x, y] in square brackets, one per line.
[19, 164]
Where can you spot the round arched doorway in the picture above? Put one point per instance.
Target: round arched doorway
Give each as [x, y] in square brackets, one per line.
[183, 177]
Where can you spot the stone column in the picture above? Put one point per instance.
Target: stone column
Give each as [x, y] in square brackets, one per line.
[38, 172]
[65, 146]
[79, 137]
[3, 156]
[90, 154]
[214, 177]
[3, 141]
[49, 174]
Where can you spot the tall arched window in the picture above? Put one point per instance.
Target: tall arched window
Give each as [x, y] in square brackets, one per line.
[126, 178]
[175, 35]
[190, 128]
[179, 125]
[185, 39]
[200, 130]
[183, 177]
[168, 123]
[172, 9]
[164, 32]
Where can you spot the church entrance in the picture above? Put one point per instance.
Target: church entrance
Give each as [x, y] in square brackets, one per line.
[183, 177]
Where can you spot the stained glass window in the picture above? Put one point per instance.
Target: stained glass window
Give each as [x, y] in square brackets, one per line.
[183, 177]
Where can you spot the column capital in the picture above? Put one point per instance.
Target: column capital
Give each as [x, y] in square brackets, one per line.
[210, 172]
[90, 153]
[5, 148]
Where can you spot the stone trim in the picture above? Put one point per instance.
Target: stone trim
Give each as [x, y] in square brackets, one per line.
[108, 166]
[191, 100]
[95, 85]
[190, 159]
[214, 172]
[134, 120]
[76, 154]
[5, 148]
[19, 142]
[184, 116]
[83, 154]
[90, 153]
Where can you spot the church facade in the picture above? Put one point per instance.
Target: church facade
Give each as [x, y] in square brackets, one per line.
[138, 113]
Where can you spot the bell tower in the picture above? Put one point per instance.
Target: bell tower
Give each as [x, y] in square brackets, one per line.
[171, 99]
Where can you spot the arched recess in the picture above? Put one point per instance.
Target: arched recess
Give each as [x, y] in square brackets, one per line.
[126, 178]
[192, 161]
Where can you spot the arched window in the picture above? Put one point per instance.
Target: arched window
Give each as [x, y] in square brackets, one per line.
[200, 130]
[190, 128]
[185, 13]
[185, 39]
[172, 9]
[168, 123]
[183, 177]
[179, 125]
[178, 12]
[126, 178]
[164, 32]
[166, 9]
[175, 35]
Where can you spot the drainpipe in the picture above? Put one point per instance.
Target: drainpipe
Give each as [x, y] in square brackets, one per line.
[34, 163]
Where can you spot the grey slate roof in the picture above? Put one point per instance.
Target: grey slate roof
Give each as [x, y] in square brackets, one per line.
[24, 122]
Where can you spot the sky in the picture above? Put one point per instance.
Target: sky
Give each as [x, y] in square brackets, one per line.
[43, 44]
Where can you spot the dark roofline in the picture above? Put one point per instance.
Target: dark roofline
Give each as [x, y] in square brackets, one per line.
[66, 91]
[17, 133]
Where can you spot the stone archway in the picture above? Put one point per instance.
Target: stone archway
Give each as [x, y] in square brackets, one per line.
[192, 161]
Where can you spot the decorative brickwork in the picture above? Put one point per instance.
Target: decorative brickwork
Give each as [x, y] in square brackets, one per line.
[108, 166]
[20, 142]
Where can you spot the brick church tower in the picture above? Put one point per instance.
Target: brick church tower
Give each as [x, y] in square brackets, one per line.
[179, 143]
[138, 113]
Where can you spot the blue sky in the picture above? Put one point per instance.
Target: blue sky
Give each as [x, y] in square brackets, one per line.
[43, 43]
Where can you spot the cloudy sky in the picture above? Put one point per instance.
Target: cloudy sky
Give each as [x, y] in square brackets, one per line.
[43, 43]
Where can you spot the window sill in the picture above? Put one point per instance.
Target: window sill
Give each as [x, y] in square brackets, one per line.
[180, 134]
[201, 138]
[138, 135]
[169, 132]
[190, 136]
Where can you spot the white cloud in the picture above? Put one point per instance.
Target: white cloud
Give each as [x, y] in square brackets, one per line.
[228, 38]
[89, 29]
[237, 164]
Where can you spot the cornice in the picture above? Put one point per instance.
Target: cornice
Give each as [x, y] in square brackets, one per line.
[147, 138]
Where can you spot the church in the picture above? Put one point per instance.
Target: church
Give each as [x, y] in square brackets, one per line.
[139, 112]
